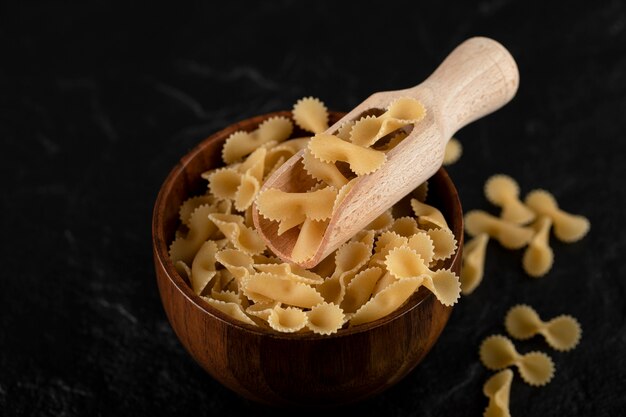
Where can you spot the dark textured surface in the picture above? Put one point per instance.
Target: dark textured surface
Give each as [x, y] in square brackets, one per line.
[97, 103]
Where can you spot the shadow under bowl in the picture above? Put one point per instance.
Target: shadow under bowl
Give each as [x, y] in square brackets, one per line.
[293, 369]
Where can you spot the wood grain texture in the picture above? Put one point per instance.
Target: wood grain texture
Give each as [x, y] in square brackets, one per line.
[293, 369]
[477, 78]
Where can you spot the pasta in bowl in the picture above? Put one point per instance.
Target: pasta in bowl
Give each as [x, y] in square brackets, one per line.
[309, 351]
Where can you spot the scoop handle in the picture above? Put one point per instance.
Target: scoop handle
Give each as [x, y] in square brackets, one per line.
[477, 78]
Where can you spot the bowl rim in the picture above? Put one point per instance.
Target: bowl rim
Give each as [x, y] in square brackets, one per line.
[161, 252]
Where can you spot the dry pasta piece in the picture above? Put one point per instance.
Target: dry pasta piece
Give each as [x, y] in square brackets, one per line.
[344, 130]
[325, 318]
[390, 240]
[284, 290]
[498, 390]
[275, 167]
[223, 244]
[264, 259]
[240, 143]
[287, 320]
[203, 266]
[386, 242]
[246, 192]
[359, 290]
[323, 171]
[326, 267]
[503, 191]
[248, 220]
[393, 141]
[428, 215]
[386, 301]
[297, 144]
[498, 352]
[291, 271]
[332, 290]
[538, 256]
[473, 263]
[233, 310]
[223, 207]
[445, 285]
[453, 152]
[404, 226]
[311, 114]
[423, 245]
[290, 222]
[510, 235]
[402, 112]
[381, 223]
[226, 296]
[342, 194]
[567, 227]
[275, 155]
[370, 129]
[365, 236]
[386, 280]
[237, 262]
[562, 332]
[191, 204]
[222, 280]
[223, 183]
[349, 259]
[240, 183]
[278, 205]
[407, 109]
[200, 229]
[243, 238]
[254, 165]
[444, 242]
[404, 262]
[309, 239]
[262, 310]
[330, 148]
[233, 286]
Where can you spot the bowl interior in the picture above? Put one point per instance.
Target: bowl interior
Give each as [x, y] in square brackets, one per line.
[184, 181]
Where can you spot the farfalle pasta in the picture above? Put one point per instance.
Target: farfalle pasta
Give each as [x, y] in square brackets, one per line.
[240, 144]
[219, 252]
[503, 191]
[498, 352]
[538, 256]
[370, 129]
[561, 333]
[330, 149]
[473, 263]
[498, 390]
[567, 227]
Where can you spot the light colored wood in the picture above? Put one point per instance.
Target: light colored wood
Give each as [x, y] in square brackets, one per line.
[477, 78]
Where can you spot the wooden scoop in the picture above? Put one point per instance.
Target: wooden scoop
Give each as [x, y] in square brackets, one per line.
[477, 78]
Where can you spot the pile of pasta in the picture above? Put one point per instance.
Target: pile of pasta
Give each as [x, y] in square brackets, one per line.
[218, 250]
[521, 224]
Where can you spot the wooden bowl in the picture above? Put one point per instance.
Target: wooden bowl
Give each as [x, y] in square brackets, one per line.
[293, 369]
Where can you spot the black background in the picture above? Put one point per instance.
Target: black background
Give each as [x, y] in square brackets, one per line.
[99, 101]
